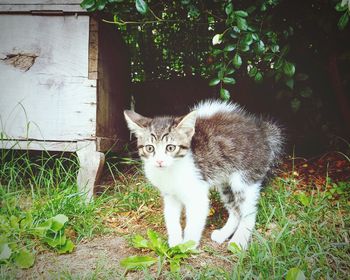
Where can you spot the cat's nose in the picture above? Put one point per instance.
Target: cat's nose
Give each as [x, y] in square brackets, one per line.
[159, 162]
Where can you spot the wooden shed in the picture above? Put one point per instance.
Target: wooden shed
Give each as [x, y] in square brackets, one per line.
[64, 82]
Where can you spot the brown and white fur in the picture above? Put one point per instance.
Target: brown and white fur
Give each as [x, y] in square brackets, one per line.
[216, 144]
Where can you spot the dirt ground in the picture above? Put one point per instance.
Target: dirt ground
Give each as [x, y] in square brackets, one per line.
[101, 256]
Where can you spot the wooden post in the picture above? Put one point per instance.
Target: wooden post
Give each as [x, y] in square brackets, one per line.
[91, 165]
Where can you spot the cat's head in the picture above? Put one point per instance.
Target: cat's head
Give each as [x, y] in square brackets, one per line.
[161, 141]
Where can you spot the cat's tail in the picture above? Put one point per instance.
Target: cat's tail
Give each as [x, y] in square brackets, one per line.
[276, 141]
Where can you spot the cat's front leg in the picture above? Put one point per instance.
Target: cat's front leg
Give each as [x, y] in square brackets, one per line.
[172, 214]
[197, 209]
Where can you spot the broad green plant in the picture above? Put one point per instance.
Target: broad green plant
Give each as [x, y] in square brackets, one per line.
[18, 235]
[161, 253]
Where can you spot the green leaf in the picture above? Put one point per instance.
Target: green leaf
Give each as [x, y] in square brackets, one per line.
[221, 73]
[137, 262]
[237, 60]
[42, 229]
[340, 8]
[241, 13]
[258, 77]
[153, 237]
[174, 265]
[5, 252]
[260, 46]
[229, 9]
[24, 259]
[141, 6]
[306, 92]
[139, 241]
[87, 4]
[343, 21]
[57, 240]
[224, 94]
[229, 48]
[187, 247]
[242, 23]
[268, 57]
[217, 51]
[289, 69]
[234, 248]
[101, 4]
[14, 222]
[214, 82]
[193, 13]
[243, 47]
[255, 36]
[58, 222]
[295, 274]
[228, 80]
[304, 199]
[27, 222]
[230, 71]
[248, 39]
[295, 104]
[278, 64]
[275, 48]
[156, 243]
[252, 71]
[234, 33]
[66, 248]
[217, 39]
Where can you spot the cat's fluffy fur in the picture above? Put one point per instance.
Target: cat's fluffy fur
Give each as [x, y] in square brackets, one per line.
[216, 144]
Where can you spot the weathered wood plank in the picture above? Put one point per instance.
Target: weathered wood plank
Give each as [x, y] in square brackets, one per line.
[113, 85]
[39, 145]
[46, 93]
[93, 49]
[36, 8]
[91, 166]
[40, 5]
[24, 6]
[40, 2]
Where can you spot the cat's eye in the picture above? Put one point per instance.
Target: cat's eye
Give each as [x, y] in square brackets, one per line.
[149, 148]
[170, 148]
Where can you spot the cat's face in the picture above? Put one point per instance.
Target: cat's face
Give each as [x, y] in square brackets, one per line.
[163, 140]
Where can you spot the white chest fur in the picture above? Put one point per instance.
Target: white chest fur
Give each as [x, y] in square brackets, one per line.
[181, 179]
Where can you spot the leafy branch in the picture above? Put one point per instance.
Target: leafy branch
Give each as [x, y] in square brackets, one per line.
[343, 7]
[245, 44]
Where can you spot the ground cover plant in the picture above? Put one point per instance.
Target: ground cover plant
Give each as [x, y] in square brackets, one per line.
[301, 230]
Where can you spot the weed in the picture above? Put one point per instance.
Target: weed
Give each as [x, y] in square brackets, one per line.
[337, 190]
[164, 254]
[18, 234]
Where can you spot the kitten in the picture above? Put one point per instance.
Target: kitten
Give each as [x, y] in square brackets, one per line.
[217, 144]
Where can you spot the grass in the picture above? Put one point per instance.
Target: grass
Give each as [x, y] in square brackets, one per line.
[308, 231]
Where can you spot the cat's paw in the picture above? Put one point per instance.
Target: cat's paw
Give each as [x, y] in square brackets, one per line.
[218, 236]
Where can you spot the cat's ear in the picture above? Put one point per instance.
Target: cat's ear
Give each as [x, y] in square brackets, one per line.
[136, 122]
[187, 123]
